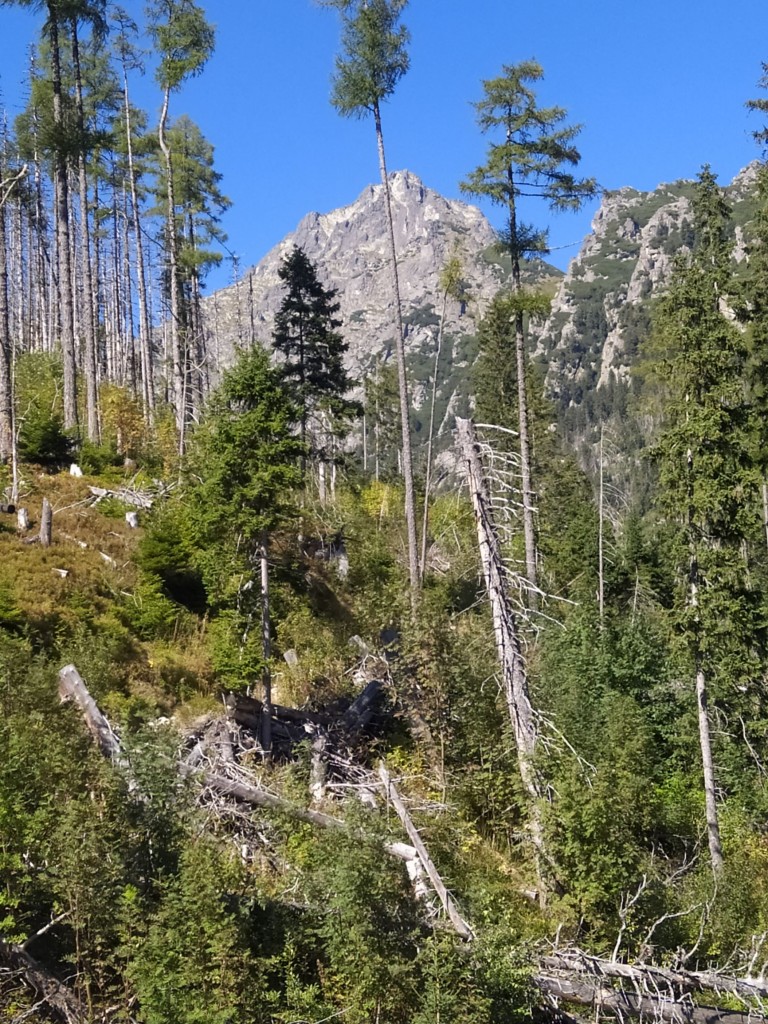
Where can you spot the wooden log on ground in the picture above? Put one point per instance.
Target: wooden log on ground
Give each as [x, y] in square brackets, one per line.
[7, 509]
[362, 709]
[459, 924]
[141, 499]
[621, 1003]
[72, 688]
[59, 999]
[650, 976]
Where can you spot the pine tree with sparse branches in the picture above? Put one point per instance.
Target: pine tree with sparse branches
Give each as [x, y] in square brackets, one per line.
[533, 158]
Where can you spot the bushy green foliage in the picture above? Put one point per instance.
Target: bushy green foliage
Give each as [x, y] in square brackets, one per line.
[42, 437]
[193, 963]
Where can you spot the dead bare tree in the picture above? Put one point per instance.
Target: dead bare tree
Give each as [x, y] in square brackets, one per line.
[507, 636]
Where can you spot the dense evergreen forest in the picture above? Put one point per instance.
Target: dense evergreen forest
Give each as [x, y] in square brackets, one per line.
[289, 733]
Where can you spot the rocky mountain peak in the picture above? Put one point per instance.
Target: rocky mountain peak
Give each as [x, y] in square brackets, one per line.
[600, 312]
[350, 248]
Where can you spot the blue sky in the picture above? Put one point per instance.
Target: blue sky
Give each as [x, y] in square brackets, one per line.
[659, 87]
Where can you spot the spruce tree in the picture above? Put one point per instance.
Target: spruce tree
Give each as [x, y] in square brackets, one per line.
[306, 335]
[708, 476]
[533, 159]
[246, 460]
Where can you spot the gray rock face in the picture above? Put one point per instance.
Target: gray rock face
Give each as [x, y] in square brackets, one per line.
[350, 248]
[601, 308]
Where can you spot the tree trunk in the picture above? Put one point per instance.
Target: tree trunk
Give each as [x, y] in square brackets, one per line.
[129, 369]
[710, 795]
[407, 463]
[266, 649]
[88, 318]
[460, 926]
[46, 524]
[66, 312]
[145, 337]
[705, 742]
[6, 393]
[177, 346]
[529, 527]
[600, 558]
[430, 438]
[508, 648]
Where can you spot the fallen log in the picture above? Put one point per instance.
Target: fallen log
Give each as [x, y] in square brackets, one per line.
[141, 499]
[61, 1000]
[72, 688]
[621, 1003]
[459, 924]
[650, 976]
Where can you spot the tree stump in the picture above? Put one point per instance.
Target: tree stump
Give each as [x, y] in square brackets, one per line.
[46, 524]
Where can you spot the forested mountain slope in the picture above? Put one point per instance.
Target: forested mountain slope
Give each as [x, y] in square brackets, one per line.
[289, 733]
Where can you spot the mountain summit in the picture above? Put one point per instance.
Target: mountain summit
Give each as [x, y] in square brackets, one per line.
[349, 248]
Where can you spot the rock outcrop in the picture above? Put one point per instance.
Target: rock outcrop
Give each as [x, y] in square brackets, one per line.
[601, 310]
[349, 246]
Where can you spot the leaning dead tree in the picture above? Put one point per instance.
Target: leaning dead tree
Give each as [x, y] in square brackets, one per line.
[648, 992]
[506, 633]
[59, 1000]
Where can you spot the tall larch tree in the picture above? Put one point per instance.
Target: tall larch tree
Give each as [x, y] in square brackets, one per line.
[534, 157]
[708, 475]
[184, 40]
[129, 58]
[58, 12]
[373, 60]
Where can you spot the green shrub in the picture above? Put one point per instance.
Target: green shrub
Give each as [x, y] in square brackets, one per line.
[42, 439]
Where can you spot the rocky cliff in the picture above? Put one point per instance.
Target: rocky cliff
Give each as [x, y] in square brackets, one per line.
[350, 248]
[601, 310]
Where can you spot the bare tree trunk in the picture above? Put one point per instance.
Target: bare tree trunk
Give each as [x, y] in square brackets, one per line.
[266, 649]
[710, 795]
[88, 318]
[177, 346]
[145, 336]
[705, 742]
[407, 464]
[129, 355]
[430, 438]
[460, 926]
[508, 647]
[529, 526]
[66, 312]
[6, 394]
[46, 524]
[600, 558]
